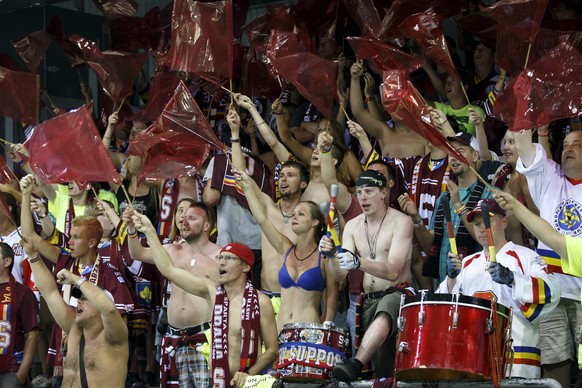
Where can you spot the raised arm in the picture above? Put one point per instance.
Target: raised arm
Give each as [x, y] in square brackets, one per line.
[476, 118]
[49, 251]
[185, 280]
[62, 313]
[371, 124]
[233, 120]
[303, 153]
[113, 324]
[328, 172]
[136, 250]
[423, 235]
[276, 238]
[533, 223]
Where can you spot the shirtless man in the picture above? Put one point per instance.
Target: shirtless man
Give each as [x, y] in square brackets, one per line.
[188, 315]
[385, 259]
[397, 142]
[95, 323]
[225, 297]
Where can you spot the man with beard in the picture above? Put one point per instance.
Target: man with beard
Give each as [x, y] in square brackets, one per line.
[188, 315]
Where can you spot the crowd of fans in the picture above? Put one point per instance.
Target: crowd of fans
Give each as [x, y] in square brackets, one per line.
[159, 270]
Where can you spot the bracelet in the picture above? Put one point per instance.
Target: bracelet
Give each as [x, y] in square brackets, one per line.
[461, 209]
[463, 212]
[543, 135]
[37, 258]
[496, 90]
[417, 224]
[326, 151]
[234, 140]
[132, 235]
[278, 114]
[257, 124]
[81, 280]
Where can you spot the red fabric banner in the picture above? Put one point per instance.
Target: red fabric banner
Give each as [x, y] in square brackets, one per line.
[19, 95]
[401, 99]
[523, 17]
[548, 90]
[69, 148]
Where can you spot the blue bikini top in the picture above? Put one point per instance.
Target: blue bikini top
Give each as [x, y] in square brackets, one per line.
[310, 280]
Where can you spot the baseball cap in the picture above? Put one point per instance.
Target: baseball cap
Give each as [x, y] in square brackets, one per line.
[466, 139]
[493, 207]
[371, 178]
[242, 251]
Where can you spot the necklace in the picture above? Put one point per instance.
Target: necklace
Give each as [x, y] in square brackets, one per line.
[305, 258]
[285, 216]
[372, 244]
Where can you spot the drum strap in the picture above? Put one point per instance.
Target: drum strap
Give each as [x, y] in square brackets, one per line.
[495, 350]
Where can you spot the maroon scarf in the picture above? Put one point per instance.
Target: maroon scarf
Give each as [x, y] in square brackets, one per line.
[250, 325]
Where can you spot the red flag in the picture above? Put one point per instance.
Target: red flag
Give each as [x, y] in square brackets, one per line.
[401, 9]
[483, 26]
[57, 31]
[131, 33]
[113, 9]
[19, 95]
[7, 62]
[32, 48]
[69, 148]
[314, 77]
[282, 44]
[523, 17]
[512, 52]
[401, 99]
[163, 86]
[366, 17]
[548, 90]
[426, 31]
[6, 210]
[181, 115]
[384, 56]
[256, 79]
[116, 70]
[171, 160]
[202, 39]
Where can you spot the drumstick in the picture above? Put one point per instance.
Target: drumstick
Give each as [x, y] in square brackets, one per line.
[487, 222]
[331, 233]
[450, 229]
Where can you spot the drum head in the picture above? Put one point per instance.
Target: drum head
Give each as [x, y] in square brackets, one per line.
[452, 298]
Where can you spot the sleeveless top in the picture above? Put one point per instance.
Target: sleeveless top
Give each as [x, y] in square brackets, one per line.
[310, 280]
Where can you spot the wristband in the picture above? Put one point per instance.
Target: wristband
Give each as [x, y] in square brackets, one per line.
[234, 140]
[257, 124]
[326, 151]
[463, 212]
[132, 235]
[81, 280]
[461, 209]
[32, 261]
[417, 224]
[543, 135]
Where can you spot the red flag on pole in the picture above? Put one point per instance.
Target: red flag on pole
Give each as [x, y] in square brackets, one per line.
[162, 89]
[181, 115]
[401, 9]
[202, 39]
[401, 99]
[19, 95]
[131, 33]
[426, 31]
[523, 17]
[548, 90]
[32, 48]
[313, 76]
[69, 148]
[171, 160]
[57, 31]
[116, 70]
[384, 56]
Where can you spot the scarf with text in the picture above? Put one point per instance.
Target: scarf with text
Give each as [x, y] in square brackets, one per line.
[9, 313]
[250, 330]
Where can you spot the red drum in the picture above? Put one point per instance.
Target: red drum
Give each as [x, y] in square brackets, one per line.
[309, 351]
[447, 337]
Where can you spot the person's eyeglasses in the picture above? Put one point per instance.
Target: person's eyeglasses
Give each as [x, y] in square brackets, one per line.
[225, 258]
